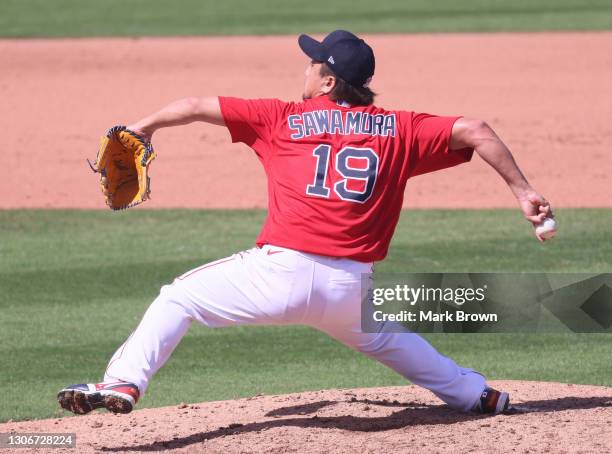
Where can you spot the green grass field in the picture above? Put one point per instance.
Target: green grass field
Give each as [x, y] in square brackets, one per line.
[55, 18]
[75, 283]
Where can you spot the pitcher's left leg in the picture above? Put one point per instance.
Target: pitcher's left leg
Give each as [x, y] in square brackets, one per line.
[250, 287]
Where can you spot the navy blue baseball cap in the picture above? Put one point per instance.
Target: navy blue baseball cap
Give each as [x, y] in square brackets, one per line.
[348, 56]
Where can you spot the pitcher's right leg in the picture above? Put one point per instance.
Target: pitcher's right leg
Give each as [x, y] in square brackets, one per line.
[415, 359]
[408, 354]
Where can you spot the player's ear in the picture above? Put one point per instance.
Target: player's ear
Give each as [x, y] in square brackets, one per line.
[327, 84]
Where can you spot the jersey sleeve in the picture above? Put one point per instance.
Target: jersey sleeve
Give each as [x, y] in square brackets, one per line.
[251, 121]
[429, 145]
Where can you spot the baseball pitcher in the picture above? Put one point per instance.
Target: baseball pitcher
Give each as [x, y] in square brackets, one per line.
[337, 166]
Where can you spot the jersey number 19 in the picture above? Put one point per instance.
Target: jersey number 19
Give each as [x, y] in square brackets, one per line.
[366, 174]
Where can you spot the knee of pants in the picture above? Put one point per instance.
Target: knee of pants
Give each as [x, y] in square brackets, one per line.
[391, 347]
[373, 344]
[173, 295]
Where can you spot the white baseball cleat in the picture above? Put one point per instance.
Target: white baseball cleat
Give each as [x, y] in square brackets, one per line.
[116, 397]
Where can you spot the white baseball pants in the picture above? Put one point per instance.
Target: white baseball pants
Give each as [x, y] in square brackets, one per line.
[278, 286]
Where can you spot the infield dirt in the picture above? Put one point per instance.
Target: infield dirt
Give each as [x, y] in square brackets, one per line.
[553, 417]
[547, 95]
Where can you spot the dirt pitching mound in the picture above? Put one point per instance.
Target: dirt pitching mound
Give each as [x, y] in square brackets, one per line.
[551, 417]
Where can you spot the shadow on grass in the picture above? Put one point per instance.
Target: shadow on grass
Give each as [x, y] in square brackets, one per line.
[414, 415]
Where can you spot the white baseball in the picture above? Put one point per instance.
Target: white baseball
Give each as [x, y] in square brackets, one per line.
[547, 228]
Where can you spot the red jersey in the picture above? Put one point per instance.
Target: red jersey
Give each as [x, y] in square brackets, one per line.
[336, 173]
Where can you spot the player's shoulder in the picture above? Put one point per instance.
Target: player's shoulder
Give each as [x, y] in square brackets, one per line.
[278, 105]
[255, 101]
[378, 110]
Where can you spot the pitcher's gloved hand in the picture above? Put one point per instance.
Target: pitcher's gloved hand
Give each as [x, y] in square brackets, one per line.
[123, 162]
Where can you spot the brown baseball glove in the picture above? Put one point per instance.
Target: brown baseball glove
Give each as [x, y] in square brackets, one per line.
[122, 162]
